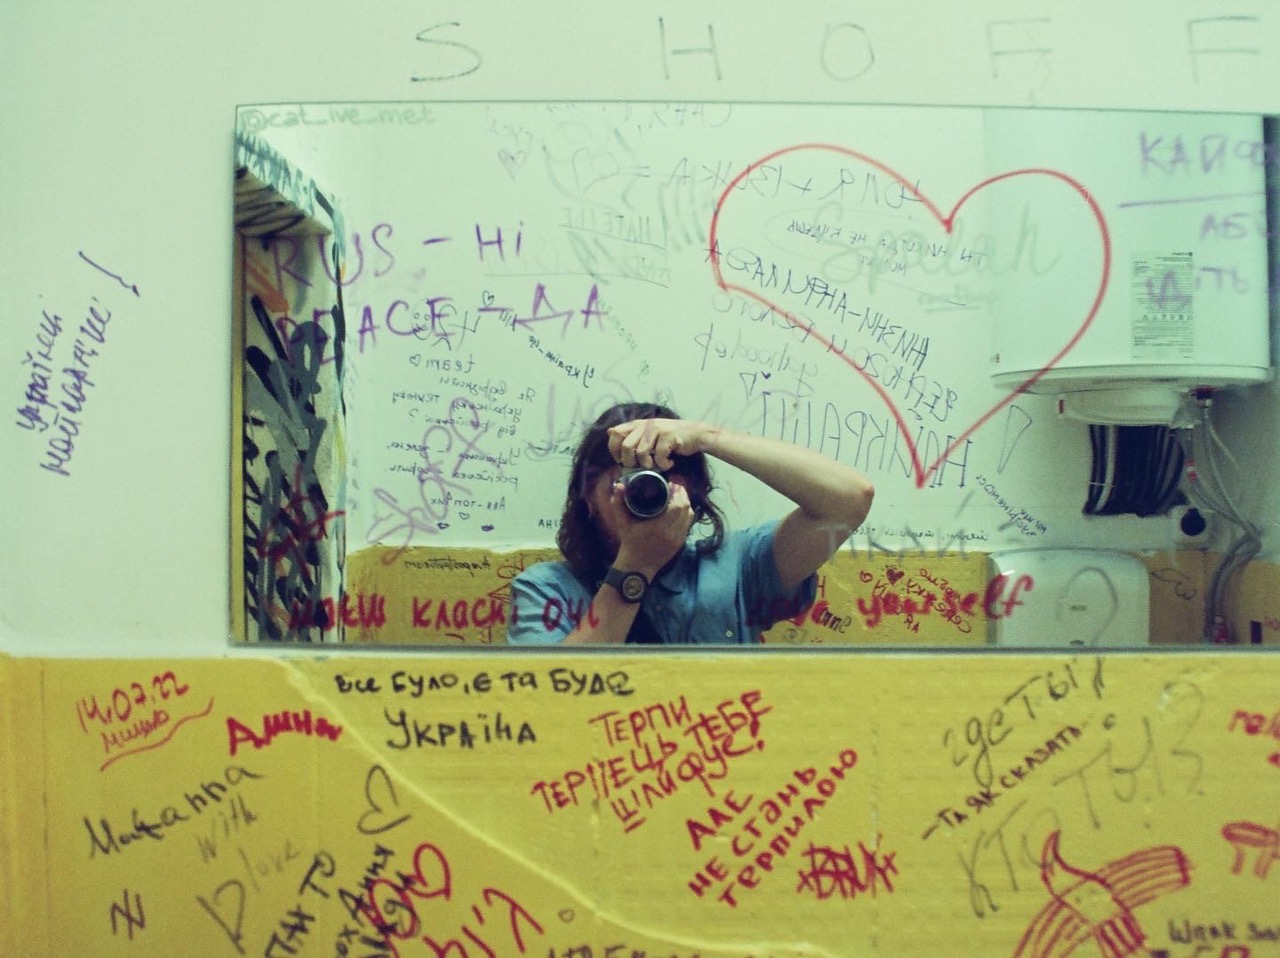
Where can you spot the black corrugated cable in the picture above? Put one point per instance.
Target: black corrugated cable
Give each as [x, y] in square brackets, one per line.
[1109, 464]
[1150, 478]
[1139, 474]
[1095, 471]
[1134, 469]
[1157, 452]
[1121, 474]
[1112, 485]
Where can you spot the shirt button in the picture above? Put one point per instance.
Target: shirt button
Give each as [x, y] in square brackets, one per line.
[728, 633]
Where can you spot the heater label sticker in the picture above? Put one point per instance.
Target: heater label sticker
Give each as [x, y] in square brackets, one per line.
[1161, 291]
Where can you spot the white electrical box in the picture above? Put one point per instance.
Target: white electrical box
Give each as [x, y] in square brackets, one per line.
[1071, 598]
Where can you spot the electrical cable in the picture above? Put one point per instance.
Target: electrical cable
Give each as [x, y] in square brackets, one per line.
[1109, 474]
[1138, 473]
[1163, 472]
[1144, 454]
[1222, 446]
[1245, 547]
[1168, 472]
[1106, 465]
[1121, 473]
[1133, 469]
[1139, 470]
[1094, 492]
[1175, 459]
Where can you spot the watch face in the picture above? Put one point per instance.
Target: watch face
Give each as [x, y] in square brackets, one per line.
[633, 586]
[630, 585]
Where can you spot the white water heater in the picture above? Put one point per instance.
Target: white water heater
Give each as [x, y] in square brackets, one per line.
[1127, 257]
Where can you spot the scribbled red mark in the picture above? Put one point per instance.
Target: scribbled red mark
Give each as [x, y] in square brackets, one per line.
[275, 724]
[952, 607]
[159, 742]
[1252, 835]
[124, 698]
[361, 612]
[840, 874]
[121, 720]
[1099, 906]
[1256, 723]
[947, 222]
[299, 522]
[391, 906]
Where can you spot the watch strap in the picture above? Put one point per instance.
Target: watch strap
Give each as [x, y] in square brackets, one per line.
[632, 586]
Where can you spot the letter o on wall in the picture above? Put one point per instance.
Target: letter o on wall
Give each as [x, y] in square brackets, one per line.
[846, 51]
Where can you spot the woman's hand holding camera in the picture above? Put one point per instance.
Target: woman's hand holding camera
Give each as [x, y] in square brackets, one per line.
[646, 545]
[651, 443]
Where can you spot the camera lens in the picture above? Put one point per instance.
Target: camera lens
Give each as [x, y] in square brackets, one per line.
[645, 492]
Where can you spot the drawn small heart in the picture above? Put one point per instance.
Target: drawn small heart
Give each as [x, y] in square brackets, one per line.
[592, 168]
[893, 575]
[382, 800]
[415, 359]
[567, 915]
[738, 192]
[512, 162]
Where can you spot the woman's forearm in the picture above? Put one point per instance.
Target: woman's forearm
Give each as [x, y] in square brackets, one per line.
[824, 489]
[607, 620]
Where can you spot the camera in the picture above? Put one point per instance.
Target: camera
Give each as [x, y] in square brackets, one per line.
[645, 491]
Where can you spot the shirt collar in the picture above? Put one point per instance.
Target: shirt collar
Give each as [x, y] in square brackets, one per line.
[682, 574]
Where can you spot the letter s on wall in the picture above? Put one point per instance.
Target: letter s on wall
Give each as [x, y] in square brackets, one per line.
[423, 37]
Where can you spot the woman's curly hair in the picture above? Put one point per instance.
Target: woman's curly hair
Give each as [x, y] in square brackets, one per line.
[579, 540]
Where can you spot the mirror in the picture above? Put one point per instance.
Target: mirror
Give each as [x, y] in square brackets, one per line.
[435, 299]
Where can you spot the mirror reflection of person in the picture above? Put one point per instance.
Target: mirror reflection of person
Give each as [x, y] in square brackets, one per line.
[682, 577]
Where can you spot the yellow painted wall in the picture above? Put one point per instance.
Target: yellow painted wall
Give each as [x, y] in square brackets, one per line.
[826, 804]
[421, 596]
[460, 596]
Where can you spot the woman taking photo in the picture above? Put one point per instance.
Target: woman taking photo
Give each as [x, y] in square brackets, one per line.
[648, 565]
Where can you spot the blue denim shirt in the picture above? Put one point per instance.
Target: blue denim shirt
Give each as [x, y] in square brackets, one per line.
[727, 598]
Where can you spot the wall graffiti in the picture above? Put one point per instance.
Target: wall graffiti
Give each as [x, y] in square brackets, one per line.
[1043, 806]
[293, 458]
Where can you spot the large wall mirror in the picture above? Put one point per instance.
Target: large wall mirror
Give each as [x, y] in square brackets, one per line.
[1044, 335]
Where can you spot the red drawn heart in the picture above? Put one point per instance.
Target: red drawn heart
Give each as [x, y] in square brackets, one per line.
[947, 222]
[893, 575]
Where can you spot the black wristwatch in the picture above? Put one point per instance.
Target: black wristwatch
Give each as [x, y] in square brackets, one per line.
[630, 585]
